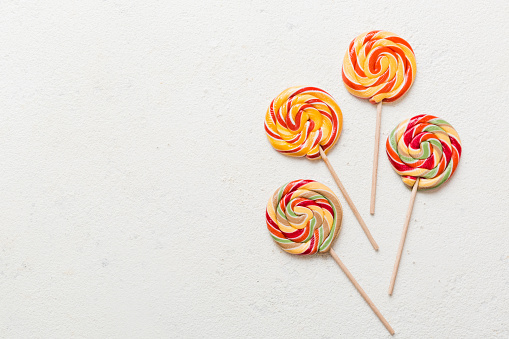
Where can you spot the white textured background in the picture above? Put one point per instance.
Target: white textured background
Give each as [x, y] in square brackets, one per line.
[135, 172]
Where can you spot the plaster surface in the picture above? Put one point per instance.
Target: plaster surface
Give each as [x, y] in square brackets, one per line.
[135, 172]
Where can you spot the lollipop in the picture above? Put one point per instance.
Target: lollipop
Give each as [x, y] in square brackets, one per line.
[304, 217]
[379, 66]
[425, 151]
[306, 121]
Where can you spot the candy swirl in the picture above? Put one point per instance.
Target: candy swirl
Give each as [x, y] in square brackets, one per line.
[378, 66]
[424, 146]
[304, 217]
[300, 119]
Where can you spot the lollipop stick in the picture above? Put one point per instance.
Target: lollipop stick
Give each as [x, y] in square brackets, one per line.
[375, 157]
[348, 200]
[361, 291]
[403, 236]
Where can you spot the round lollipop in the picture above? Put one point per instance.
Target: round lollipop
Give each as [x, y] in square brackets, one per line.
[306, 121]
[379, 66]
[425, 151]
[304, 217]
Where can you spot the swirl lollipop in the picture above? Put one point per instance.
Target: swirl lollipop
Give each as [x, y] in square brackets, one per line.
[425, 151]
[306, 121]
[304, 217]
[379, 66]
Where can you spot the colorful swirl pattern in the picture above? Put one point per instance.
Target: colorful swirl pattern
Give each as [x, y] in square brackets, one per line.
[304, 217]
[424, 146]
[300, 119]
[378, 66]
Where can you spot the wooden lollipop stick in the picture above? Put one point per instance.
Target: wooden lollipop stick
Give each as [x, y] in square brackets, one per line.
[348, 200]
[403, 236]
[375, 157]
[361, 291]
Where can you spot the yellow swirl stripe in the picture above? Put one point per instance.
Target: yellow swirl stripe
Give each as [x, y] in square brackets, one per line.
[301, 119]
[378, 66]
[304, 217]
[424, 146]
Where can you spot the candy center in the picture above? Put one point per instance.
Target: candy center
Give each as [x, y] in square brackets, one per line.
[304, 214]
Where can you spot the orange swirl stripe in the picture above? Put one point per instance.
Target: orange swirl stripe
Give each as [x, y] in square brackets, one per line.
[304, 217]
[378, 66]
[424, 146]
[300, 119]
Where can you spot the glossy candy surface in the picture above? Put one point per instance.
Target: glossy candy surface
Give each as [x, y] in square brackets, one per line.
[424, 146]
[304, 217]
[378, 66]
[300, 119]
